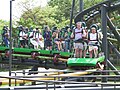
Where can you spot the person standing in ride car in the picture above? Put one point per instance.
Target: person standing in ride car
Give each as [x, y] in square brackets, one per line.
[36, 39]
[48, 38]
[78, 40]
[39, 38]
[6, 36]
[56, 39]
[67, 40]
[93, 42]
[22, 37]
[85, 39]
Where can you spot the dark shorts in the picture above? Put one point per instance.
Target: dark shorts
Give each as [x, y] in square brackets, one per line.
[48, 43]
[22, 42]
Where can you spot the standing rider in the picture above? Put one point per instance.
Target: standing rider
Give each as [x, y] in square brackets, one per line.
[36, 39]
[85, 39]
[93, 42]
[6, 36]
[78, 39]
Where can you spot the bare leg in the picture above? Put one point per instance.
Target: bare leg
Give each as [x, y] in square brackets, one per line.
[21, 46]
[80, 52]
[58, 46]
[77, 53]
[95, 53]
[35, 47]
[84, 53]
[50, 47]
[90, 54]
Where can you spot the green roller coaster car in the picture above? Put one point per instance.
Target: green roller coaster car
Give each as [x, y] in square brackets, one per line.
[25, 51]
[92, 62]
[2, 49]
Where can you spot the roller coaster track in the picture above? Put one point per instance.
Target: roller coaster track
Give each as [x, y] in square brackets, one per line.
[91, 12]
[95, 11]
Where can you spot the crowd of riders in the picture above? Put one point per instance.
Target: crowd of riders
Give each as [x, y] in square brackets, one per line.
[78, 39]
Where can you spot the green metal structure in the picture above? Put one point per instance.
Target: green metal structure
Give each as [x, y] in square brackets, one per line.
[55, 56]
[92, 62]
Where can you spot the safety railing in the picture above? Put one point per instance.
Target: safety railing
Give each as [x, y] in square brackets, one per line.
[63, 80]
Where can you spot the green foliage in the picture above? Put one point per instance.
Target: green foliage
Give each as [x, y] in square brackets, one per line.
[64, 7]
[39, 16]
[90, 3]
[2, 23]
[56, 13]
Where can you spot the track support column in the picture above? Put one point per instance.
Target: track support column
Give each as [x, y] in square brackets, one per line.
[81, 5]
[10, 48]
[71, 12]
[104, 31]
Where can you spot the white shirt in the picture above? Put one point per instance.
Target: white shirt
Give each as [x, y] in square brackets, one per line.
[93, 36]
[78, 34]
[22, 34]
[93, 39]
[37, 35]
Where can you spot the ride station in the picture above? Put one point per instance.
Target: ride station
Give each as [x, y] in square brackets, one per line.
[64, 70]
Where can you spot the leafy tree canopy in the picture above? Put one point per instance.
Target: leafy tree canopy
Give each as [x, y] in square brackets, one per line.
[3, 23]
[57, 12]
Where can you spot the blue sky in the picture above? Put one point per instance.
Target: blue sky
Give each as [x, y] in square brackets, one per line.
[5, 8]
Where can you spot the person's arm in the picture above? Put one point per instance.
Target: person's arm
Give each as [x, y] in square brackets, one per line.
[72, 35]
[53, 35]
[84, 34]
[20, 34]
[44, 34]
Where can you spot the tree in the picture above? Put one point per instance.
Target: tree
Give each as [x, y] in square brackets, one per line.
[2, 23]
[63, 8]
[38, 16]
[89, 3]
[56, 13]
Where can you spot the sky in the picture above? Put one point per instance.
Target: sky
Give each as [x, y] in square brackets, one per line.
[5, 8]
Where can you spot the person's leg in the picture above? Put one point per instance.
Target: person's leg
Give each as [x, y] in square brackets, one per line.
[34, 43]
[85, 49]
[77, 53]
[77, 50]
[58, 46]
[35, 46]
[45, 45]
[50, 45]
[95, 51]
[65, 48]
[41, 44]
[24, 42]
[84, 53]
[80, 50]
[6, 42]
[21, 43]
[91, 54]
[90, 51]
[69, 46]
